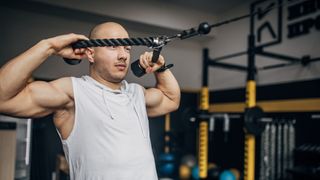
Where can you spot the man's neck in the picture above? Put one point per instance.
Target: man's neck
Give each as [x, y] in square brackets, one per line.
[109, 84]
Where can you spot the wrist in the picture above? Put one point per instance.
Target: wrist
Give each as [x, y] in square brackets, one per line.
[164, 68]
[48, 46]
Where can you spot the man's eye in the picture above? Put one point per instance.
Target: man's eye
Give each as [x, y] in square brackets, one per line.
[111, 47]
[128, 48]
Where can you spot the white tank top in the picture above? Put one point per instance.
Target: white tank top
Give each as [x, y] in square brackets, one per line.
[110, 137]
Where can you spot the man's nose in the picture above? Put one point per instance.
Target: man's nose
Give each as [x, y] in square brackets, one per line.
[122, 54]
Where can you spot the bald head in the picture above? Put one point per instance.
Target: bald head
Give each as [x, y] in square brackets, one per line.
[108, 30]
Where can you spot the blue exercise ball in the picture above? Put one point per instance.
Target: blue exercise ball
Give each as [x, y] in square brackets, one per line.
[166, 165]
[166, 157]
[167, 169]
[227, 175]
[195, 172]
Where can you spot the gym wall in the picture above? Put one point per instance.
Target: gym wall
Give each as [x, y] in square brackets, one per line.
[232, 38]
[24, 23]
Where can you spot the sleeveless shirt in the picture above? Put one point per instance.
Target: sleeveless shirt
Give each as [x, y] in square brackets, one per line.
[110, 136]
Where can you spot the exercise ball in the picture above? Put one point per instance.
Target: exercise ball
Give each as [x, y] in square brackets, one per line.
[166, 165]
[227, 175]
[235, 172]
[184, 172]
[195, 172]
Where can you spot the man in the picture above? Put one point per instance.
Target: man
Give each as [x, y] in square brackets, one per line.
[101, 119]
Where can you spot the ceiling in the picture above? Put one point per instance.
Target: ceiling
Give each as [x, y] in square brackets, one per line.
[208, 6]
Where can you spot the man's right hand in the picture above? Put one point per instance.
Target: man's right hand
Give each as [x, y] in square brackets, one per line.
[39, 98]
[61, 46]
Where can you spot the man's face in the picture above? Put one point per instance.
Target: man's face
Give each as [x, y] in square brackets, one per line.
[112, 62]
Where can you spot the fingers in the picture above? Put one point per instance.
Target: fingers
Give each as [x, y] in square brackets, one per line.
[62, 45]
[70, 53]
[146, 63]
[59, 43]
[161, 61]
[67, 39]
[76, 37]
[80, 51]
[79, 56]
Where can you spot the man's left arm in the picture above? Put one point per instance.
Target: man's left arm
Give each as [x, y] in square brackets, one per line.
[165, 96]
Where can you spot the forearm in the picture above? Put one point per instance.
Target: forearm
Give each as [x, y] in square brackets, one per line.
[15, 74]
[169, 86]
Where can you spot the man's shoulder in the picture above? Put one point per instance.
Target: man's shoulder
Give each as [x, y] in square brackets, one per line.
[133, 86]
[64, 81]
[135, 89]
[64, 84]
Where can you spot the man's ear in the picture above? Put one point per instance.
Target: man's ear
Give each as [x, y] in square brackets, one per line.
[90, 54]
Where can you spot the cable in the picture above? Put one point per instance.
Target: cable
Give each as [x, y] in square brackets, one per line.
[203, 28]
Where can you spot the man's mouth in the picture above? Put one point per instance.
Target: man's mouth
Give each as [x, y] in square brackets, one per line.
[121, 67]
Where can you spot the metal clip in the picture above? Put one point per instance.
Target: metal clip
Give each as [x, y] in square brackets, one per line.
[159, 42]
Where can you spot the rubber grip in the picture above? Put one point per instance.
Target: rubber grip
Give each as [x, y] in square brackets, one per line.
[72, 61]
[138, 70]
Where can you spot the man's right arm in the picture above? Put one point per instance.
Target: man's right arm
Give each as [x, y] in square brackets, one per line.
[36, 99]
[39, 98]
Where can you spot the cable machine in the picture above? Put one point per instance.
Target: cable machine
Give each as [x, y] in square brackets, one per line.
[252, 112]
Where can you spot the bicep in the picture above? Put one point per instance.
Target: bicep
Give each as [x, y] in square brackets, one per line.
[157, 103]
[36, 99]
